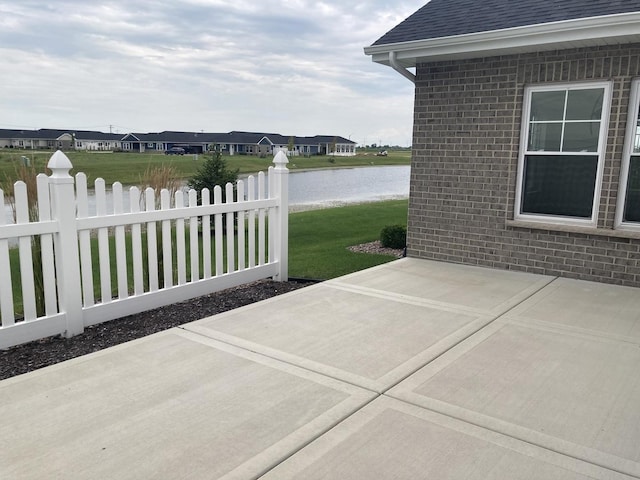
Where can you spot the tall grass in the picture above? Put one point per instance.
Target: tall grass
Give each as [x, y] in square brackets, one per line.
[159, 177]
[28, 175]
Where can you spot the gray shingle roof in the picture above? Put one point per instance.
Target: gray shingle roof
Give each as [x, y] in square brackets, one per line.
[444, 18]
[233, 137]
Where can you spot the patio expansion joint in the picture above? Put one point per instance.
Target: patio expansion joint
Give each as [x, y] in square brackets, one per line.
[321, 434]
[491, 320]
[525, 435]
[407, 299]
[573, 331]
[277, 359]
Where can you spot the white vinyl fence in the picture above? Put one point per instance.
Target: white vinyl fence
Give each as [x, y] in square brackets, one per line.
[86, 269]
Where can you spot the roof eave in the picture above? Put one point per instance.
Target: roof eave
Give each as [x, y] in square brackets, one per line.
[593, 31]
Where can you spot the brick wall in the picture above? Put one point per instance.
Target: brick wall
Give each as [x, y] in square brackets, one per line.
[467, 122]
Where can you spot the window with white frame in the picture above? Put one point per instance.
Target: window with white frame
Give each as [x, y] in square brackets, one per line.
[628, 212]
[561, 152]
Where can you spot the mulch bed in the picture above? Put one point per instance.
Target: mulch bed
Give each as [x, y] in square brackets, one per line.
[375, 247]
[41, 353]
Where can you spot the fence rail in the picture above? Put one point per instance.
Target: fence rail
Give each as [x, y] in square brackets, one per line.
[74, 269]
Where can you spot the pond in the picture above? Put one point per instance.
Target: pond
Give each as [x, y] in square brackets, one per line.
[326, 188]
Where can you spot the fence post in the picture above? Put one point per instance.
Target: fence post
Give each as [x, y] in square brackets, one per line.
[281, 177]
[67, 260]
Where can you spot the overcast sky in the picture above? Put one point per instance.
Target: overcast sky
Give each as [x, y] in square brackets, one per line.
[294, 67]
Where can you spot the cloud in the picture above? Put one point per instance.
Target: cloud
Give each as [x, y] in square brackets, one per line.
[287, 66]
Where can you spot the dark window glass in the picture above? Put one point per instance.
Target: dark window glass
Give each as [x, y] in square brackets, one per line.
[545, 137]
[559, 185]
[581, 137]
[585, 104]
[632, 201]
[547, 106]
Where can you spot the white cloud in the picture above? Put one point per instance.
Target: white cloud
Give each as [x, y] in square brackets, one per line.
[287, 66]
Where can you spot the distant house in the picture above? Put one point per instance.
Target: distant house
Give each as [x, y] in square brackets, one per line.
[46, 138]
[526, 149]
[232, 143]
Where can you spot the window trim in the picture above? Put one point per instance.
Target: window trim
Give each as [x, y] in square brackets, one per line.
[630, 132]
[524, 141]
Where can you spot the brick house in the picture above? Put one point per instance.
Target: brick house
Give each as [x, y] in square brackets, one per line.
[526, 148]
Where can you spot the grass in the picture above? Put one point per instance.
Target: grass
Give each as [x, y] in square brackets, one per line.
[128, 168]
[318, 239]
[318, 242]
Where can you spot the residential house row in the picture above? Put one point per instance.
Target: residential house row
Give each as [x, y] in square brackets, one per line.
[232, 143]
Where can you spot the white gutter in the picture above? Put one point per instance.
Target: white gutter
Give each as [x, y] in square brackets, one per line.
[604, 30]
[400, 69]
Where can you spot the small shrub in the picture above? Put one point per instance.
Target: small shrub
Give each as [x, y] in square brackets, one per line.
[213, 171]
[393, 236]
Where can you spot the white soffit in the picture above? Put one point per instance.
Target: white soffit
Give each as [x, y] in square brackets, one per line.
[583, 32]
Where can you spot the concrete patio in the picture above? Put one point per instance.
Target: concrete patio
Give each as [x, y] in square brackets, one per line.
[411, 370]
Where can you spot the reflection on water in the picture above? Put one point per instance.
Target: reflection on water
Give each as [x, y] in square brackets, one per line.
[348, 185]
[322, 188]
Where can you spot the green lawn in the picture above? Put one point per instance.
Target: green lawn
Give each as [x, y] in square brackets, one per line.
[318, 239]
[128, 167]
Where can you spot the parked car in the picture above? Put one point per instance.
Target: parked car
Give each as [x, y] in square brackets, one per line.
[382, 153]
[175, 151]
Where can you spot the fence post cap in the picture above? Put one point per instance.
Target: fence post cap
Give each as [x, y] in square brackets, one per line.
[280, 160]
[60, 165]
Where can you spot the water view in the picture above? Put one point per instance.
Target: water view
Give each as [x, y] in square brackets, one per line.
[324, 188]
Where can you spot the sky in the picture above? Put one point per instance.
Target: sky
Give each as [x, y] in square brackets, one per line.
[293, 67]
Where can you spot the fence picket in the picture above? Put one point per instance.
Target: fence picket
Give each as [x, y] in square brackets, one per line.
[136, 243]
[181, 254]
[167, 256]
[217, 200]
[103, 243]
[121, 247]
[241, 227]
[25, 253]
[193, 238]
[152, 241]
[46, 247]
[272, 219]
[230, 230]
[84, 239]
[261, 220]
[206, 235]
[7, 315]
[251, 195]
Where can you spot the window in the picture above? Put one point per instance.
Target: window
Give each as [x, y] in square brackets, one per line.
[561, 152]
[628, 212]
